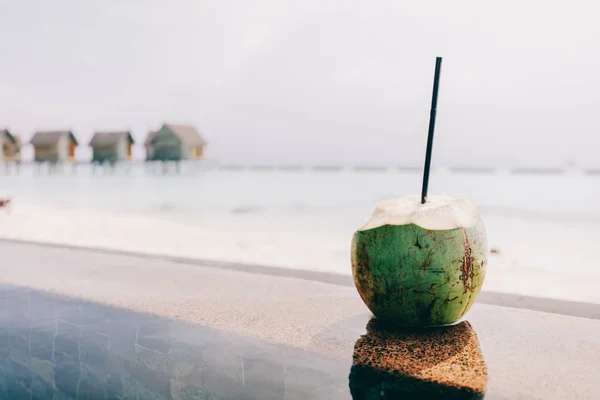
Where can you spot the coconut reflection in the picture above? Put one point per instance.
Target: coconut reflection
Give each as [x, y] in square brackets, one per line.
[434, 363]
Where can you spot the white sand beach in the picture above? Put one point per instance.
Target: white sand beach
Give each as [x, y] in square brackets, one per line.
[533, 259]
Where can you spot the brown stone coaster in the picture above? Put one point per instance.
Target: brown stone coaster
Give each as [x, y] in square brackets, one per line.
[435, 363]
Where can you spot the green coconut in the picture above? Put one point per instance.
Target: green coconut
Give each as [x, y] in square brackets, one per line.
[420, 265]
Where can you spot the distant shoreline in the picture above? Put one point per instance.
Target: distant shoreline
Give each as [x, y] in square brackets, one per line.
[325, 168]
[548, 305]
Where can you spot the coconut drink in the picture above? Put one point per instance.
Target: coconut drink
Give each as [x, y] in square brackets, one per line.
[420, 264]
[421, 261]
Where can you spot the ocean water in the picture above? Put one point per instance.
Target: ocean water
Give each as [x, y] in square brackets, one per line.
[544, 229]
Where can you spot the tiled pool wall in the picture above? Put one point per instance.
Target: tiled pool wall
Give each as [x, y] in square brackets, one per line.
[58, 348]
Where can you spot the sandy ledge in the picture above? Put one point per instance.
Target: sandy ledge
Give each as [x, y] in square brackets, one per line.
[549, 305]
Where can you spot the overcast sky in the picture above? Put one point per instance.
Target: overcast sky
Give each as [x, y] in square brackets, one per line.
[313, 82]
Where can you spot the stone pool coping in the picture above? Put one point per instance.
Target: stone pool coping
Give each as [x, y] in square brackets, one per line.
[544, 304]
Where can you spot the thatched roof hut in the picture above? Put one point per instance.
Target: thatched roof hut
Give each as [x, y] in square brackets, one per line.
[10, 145]
[175, 142]
[111, 146]
[54, 146]
[148, 145]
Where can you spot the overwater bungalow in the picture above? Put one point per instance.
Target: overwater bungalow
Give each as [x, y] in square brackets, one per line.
[176, 143]
[148, 145]
[17, 149]
[111, 146]
[11, 146]
[54, 146]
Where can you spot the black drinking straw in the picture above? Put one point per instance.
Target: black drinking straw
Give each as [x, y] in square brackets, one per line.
[436, 85]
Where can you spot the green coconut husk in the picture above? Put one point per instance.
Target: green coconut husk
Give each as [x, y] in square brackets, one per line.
[411, 276]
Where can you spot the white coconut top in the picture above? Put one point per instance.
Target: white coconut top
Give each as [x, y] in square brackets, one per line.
[438, 213]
